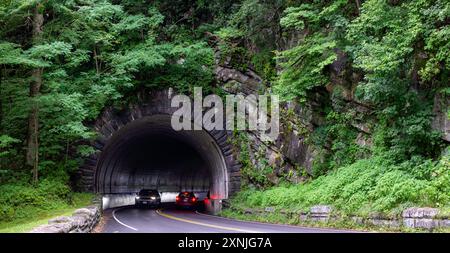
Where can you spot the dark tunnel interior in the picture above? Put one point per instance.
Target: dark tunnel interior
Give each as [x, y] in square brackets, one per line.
[148, 153]
[164, 163]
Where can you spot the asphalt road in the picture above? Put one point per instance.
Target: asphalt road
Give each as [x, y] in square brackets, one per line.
[170, 220]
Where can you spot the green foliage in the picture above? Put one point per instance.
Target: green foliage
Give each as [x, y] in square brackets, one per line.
[93, 54]
[322, 23]
[12, 54]
[36, 216]
[382, 36]
[341, 139]
[22, 204]
[400, 50]
[192, 68]
[369, 185]
[233, 53]
[249, 38]
[251, 173]
[386, 40]
[265, 63]
[16, 200]
[303, 66]
[409, 134]
[47, 53]
[437, 45]
[5, 144]
[258, 22]
[258, 175]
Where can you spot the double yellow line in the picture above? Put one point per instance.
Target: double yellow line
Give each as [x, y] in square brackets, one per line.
[159, 211]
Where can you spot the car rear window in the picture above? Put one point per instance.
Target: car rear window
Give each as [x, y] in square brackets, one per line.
[186, 194]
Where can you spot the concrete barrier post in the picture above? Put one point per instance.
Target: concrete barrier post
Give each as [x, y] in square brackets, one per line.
[213, 206]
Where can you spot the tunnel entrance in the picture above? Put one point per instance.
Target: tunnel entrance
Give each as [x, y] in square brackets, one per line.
[137, 148]
[148, 153]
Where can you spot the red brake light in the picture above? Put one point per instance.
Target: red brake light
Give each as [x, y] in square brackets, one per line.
[177, 198]
[194, 199]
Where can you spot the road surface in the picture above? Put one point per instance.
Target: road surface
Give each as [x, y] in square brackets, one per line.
[170, 220]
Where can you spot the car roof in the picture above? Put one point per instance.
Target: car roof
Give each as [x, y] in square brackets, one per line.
[148, 190]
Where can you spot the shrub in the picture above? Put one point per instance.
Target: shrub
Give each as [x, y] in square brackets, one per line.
[373, 184]
[20, 200]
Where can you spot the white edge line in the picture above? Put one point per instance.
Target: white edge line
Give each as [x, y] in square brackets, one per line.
[121, 223]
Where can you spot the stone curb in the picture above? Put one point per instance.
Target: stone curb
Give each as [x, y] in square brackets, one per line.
[425, 218]
[83, 220]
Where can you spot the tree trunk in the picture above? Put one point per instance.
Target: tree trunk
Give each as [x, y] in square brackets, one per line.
[358, 6]
[35, 87]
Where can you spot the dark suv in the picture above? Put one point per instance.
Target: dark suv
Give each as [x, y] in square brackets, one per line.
[147, 197]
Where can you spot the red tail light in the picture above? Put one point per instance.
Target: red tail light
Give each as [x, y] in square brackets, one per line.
[194, 199]
[177, 198]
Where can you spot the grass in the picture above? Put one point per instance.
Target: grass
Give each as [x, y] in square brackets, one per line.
[41, 217]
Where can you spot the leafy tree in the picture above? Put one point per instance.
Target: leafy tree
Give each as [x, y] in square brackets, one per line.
[87, 55]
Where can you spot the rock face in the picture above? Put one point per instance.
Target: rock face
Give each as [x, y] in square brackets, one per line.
[294, 155]
[82, 221]
[289, 151]
[291, 154]
[247, 83]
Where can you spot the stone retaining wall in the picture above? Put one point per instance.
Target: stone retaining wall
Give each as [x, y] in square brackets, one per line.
[424, 218]
[83, 220]
[417, 218]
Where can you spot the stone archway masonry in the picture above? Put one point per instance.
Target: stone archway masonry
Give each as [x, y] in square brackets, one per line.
[147, 104]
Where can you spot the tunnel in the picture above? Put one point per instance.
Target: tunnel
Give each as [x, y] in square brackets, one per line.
[148, 154]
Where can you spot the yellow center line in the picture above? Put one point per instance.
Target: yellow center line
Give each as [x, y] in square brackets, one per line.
[159, 211]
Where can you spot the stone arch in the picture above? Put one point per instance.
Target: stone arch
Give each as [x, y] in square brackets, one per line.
[149, 117]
